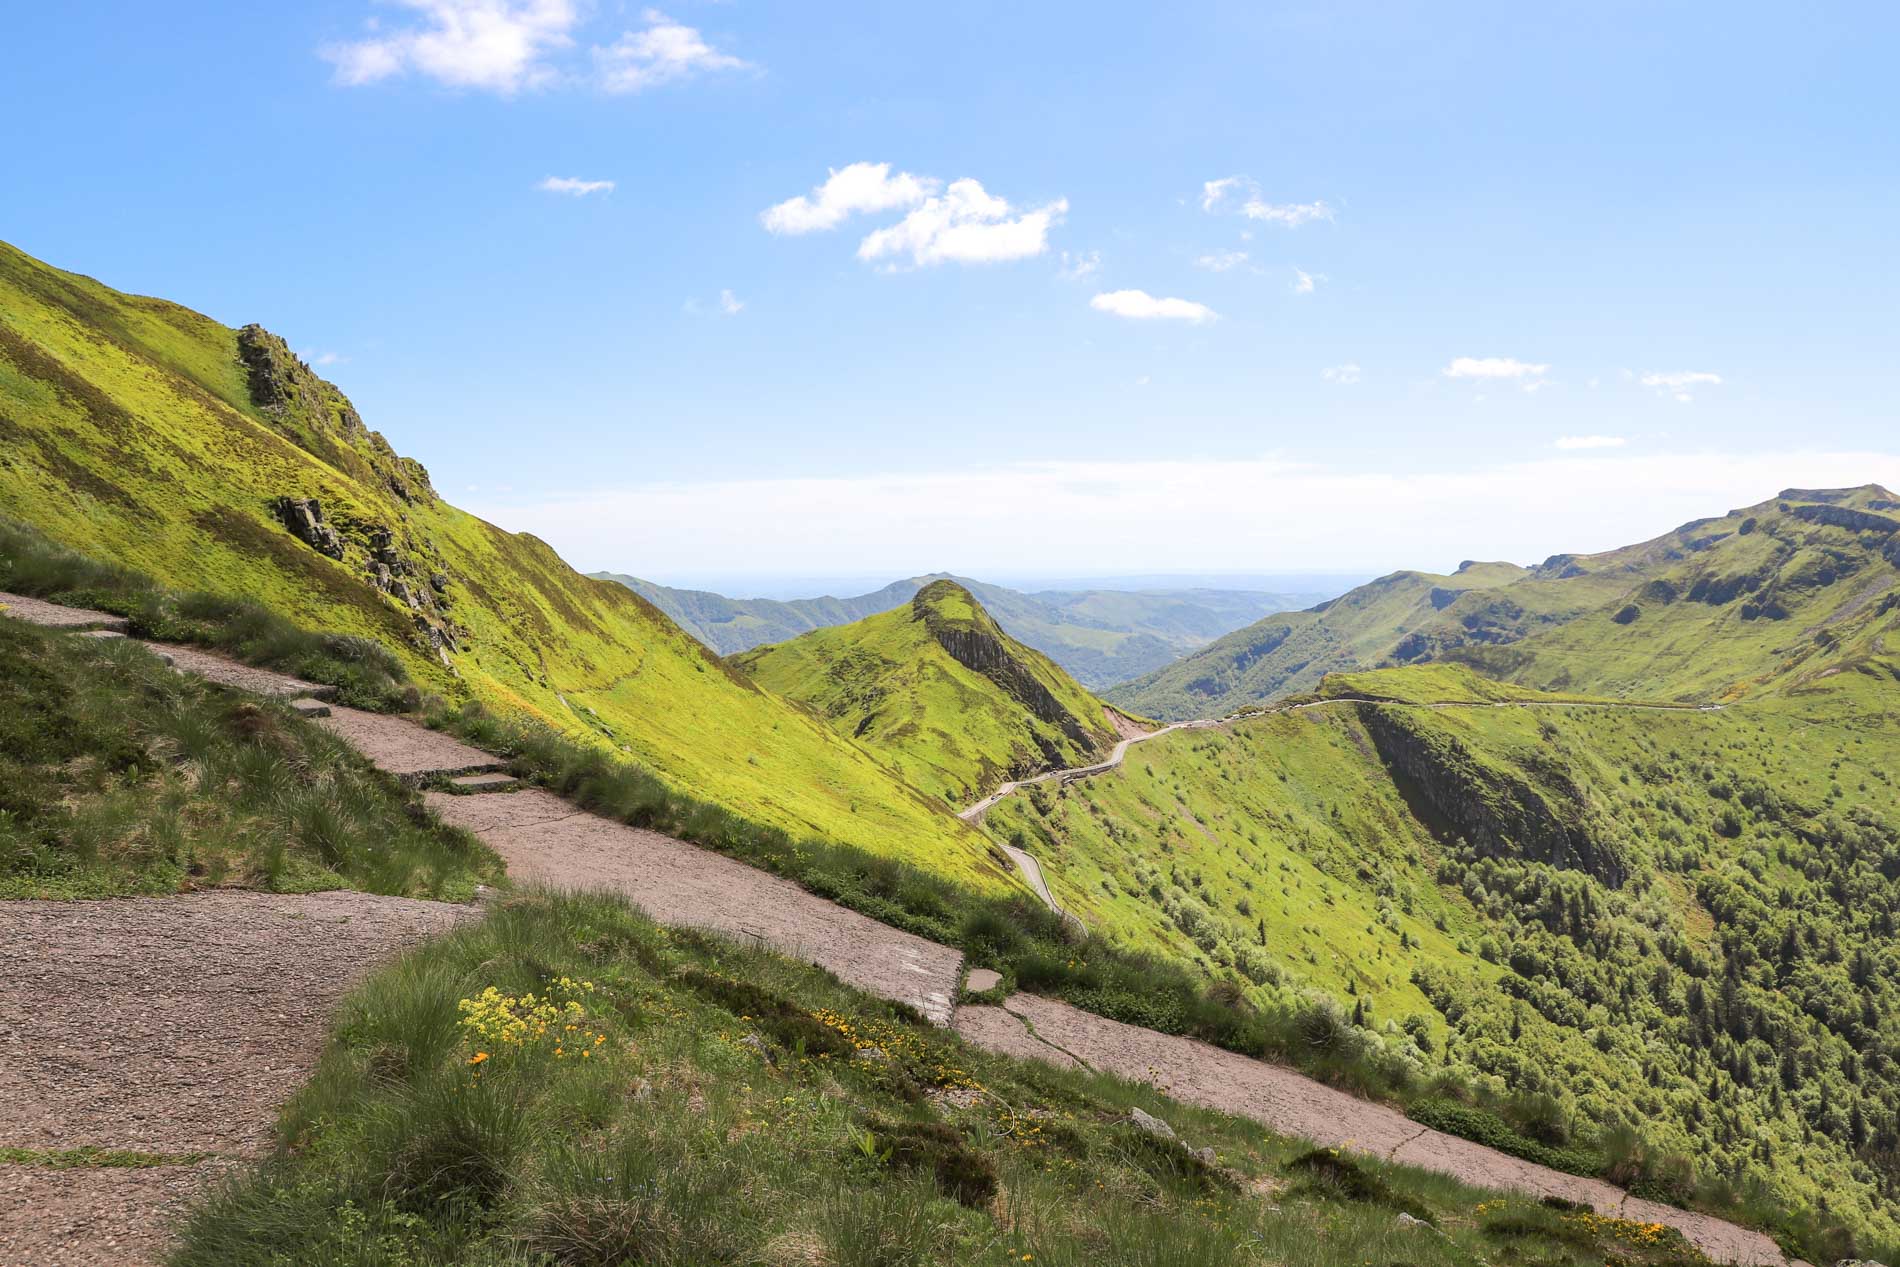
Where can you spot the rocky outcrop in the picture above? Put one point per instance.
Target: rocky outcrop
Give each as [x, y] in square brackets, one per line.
[1846, 517]
[320, 419]
[1495, 810]
[304, 517]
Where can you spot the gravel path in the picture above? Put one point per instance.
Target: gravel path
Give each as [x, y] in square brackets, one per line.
[404, 748]
[244, 677]
[166, 1025]
[543, 838]
[37, 611]
[1285, 1101]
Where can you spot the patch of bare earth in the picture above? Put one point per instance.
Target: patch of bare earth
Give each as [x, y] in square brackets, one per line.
[171, 1025]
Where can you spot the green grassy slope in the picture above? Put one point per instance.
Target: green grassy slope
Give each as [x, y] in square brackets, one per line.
[721, 1114]
[1771, 593]
[1675, 924]
[1101, 637]
[1765, 598]
[137, 431]
[957, 704]
[1290, 652]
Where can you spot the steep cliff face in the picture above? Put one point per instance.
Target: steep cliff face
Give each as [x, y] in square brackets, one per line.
[1496, 810]
[975, 642]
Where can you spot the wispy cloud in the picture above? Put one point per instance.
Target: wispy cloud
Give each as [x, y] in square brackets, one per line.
[1139, 305]
[661, 52]
[321, 359]
[1242, 194]
[730, 304]
[965, 225]
[1680, 384]
[1345, 375]
[1484, 367]
[1083, 263]
[1221, 261]
[1305, 283]
[507, 46]
[847, 191]
[1591, 442]
[574, 186]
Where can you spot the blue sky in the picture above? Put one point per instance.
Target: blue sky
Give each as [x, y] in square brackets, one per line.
[1248, 287]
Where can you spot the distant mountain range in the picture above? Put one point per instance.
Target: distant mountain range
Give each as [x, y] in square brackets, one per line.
[1100, 636]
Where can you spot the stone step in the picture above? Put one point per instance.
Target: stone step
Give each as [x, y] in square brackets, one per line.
[492, 782]
[310, 707]
[102, 633]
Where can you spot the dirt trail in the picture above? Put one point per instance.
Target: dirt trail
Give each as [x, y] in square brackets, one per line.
[1194, 1072]
[171, 1025]
[544, 839]
[201, 1014]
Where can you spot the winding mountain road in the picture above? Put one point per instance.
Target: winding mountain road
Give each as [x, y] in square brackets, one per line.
[1031, 870]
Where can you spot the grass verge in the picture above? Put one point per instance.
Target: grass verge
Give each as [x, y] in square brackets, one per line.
[566, 1083]
[119, 776]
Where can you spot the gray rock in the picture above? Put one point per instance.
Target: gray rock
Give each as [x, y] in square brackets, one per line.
[1150, 1125]
[753, 1043]
[871, 1056]
[1203, 1155]
[983, 979]
[642, 1091]
[303, 516]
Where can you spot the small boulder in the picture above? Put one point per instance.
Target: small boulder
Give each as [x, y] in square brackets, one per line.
[871, 1056]
[1203, 1155]
[1150, 1125]
[753, 1043]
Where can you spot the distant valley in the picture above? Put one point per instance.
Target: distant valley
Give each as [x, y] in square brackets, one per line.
[1101, 637]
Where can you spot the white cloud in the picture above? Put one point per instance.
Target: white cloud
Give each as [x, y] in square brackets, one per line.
[665, 50]
[966, 225]
[1221, 261]
[1125, 516]
[1139, 305]
[500, 45]
[1591, 442]
[730, 304]
[323, 358]
[1217, 196]
[1305, 283]
[574, 186]
[1492, 367]
[505, 46]
[846, 192]
[1345, 375]
[1081, 264]
[1679, 384]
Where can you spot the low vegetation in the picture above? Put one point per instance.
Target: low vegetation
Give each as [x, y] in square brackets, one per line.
[684, 1101]
[119, 775]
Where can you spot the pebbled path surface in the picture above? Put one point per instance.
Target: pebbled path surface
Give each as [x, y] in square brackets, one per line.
[166, 1025]
[240, 676]
[543, 838]
[404, 748]
[1288, 1102]
[37, 611]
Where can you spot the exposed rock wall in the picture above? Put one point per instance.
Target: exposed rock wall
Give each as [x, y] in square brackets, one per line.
[979, 647]
[1495, 810]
